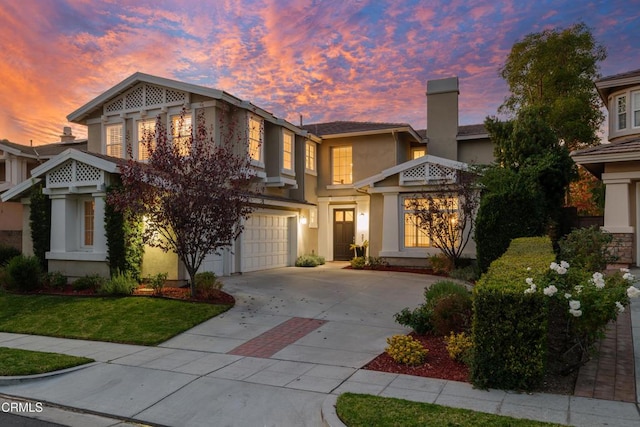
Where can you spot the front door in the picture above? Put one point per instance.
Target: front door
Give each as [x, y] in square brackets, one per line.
[343, 233]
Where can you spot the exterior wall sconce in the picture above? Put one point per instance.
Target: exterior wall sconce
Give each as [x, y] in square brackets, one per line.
[303, 220]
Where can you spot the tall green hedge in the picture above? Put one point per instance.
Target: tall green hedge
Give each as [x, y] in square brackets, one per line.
[125, 247]
[509, 326]
[40, 220]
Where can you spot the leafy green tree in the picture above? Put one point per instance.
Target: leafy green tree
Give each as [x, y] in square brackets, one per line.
[556, 69]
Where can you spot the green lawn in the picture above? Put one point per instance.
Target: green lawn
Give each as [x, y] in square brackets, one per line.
[15, 361]
[361, 410]
[131, 320]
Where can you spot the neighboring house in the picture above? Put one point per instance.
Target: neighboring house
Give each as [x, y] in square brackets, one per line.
[617, 162]
[326, 185]
[16, 163]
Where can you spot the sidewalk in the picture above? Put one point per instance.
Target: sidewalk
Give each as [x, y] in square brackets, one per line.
[211, 375]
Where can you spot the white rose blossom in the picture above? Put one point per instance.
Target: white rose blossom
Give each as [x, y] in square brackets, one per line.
[620, 306]
[628, 276]
[574, 304]
[553, 266]
[567, 296]
[578, 288]
[529, 281]
[561, 270]
[564, 264]
[576, 313]
[633, 292]
[550, 290]
[598, 280]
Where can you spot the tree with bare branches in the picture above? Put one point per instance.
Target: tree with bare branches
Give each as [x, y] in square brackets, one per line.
[446, 214]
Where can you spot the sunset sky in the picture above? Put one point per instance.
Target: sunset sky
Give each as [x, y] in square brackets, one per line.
[325, 59]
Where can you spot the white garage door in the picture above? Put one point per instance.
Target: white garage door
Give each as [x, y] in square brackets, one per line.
[265, 242]
[213, 263]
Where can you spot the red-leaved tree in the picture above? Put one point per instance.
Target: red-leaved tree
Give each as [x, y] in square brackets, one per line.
[192, 193]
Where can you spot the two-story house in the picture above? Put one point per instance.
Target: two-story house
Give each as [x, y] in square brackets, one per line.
[325, 185]
[16, 163]
[617, 162]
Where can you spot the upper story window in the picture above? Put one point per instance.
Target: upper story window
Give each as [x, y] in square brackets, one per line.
[288, 151]
[418, 152]
[635, 108]
[114, 140]
[256, 139]
[621, 112]
[342, 165]
[310, 157]
[181, 133]
[146, 135]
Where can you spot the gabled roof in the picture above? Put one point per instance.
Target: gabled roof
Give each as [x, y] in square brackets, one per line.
[472, 131]
[608, 84]
[45, 151]
[452, 164]
[340, 129]
[81, 114]
[594, 158]
[106, 163]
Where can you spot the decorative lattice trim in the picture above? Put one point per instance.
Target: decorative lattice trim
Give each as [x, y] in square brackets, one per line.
[145, 96]
[62, 175]
[428, 172]
[73, 173]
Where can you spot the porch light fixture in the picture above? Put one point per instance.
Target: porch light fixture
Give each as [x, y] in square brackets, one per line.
[303, 220]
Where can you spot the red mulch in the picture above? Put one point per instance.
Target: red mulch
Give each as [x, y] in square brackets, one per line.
[438, 363]
[417, 270]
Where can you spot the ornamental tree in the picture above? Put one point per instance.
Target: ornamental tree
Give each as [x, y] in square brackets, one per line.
[447, 214]
[192, 192]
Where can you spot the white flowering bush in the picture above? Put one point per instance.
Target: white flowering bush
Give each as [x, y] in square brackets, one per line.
[591, 300]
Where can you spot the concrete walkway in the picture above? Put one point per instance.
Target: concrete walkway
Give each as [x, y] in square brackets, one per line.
[224, 372]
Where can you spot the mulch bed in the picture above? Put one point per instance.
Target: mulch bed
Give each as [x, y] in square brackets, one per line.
[416, 270]
[438, 363]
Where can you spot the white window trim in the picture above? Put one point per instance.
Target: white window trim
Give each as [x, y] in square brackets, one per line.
[105, 134]
[136, 130]
[171, 115]
[259, 162]
[617, 113]
[404, 211]
[313, 145]
[634, 107]
[341, 185]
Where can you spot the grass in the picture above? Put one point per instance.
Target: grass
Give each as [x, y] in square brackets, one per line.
[15, 361]
[361, 410]
[130, 320]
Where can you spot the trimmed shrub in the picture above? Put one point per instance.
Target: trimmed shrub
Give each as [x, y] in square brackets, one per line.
[442, 289]
[587, 248]
[358, 263]
[311, 260]
[207, 284]
[6, 253]
[459, 347]
[40, 220]
[418, 319]
[452, 313]
[91, 282]
[24, 273]
[440, 263]
[406, 350]
[509, 325]
[156, 282]
[119, 284]
[54, 280]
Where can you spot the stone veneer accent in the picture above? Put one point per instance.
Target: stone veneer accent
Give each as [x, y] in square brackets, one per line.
[622, 248]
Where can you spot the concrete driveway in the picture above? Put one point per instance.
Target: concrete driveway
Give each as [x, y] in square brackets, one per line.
[318, 326]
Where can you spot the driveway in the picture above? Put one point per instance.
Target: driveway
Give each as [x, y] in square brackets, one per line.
[294, 336]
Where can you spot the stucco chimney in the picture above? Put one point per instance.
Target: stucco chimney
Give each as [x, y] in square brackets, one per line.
[67, 136]
[442, 117]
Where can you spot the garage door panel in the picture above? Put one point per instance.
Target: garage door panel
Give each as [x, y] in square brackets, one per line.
[265, 242]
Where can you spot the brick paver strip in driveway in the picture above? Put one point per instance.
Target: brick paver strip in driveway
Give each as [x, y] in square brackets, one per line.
[274, 340]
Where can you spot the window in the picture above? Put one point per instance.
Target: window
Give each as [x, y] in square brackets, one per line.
[310, 157]
[342, 165]
[287, 151]
[114, 140]
[181, 133]
[635, 108]
[88, 213]
[621, 111]
[256, 138]
[417, 153]
[146, 134]
[414, 235]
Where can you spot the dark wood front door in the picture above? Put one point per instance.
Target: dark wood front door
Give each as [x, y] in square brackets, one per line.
[343, 233]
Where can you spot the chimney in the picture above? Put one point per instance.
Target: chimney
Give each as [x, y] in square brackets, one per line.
[66, 136]
[442, 117]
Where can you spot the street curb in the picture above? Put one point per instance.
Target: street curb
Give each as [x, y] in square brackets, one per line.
[25, 378]
[328, 412]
